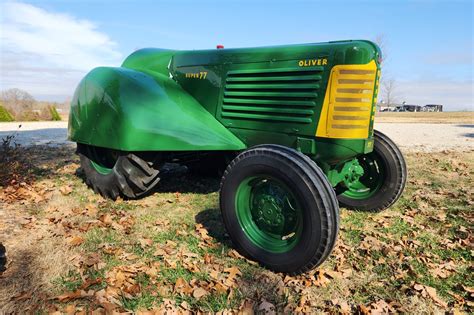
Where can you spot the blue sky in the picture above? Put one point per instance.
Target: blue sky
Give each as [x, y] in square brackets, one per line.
[47, 46]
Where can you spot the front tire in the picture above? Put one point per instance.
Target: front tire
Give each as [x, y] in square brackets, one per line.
[279, 209]
[385, 175]
[112, 173]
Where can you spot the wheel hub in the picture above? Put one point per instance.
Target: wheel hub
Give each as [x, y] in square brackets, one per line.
[271, 209]
[353, 173]
[269, 213]
[366, 176]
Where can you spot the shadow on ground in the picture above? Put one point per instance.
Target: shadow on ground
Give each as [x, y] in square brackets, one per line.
[183, 181]
[30, 164]
[211, 220]
[469, 134]
[24, 282]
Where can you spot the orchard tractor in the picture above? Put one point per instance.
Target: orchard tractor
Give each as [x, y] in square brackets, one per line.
[290, 128]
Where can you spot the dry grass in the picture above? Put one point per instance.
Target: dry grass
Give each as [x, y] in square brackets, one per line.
[382, 261]
[426, 117]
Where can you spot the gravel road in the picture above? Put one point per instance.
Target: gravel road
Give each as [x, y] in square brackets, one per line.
[430, 137]
[51, 133]
[409, 136]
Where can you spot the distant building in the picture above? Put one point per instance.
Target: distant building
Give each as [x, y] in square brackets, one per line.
[381, 107]
[408, 108]
[432, 108]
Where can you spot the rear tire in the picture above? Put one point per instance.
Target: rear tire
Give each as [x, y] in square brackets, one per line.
[387, 180]
[112, 173]
[279, 209]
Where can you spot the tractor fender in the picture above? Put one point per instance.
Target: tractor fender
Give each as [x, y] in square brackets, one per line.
[130, 110]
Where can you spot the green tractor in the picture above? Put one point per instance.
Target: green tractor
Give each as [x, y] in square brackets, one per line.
[290, 127]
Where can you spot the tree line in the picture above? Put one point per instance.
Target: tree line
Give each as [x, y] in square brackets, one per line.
[19, 105]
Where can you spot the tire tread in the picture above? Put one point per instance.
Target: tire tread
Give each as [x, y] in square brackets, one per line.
[401, 168]
[319, 185]
[131, 177]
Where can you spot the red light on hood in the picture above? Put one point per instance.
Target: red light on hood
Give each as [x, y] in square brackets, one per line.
[220, 46]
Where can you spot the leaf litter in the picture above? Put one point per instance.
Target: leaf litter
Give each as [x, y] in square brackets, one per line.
[413, 257]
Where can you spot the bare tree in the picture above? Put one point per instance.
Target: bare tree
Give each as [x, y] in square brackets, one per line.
[17, 100]
[381, 41]
[389, 87]
[389, 92]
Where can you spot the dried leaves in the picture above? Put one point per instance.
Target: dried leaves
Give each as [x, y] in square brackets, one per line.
[25, 193]
[427, 291]
[189, 269]
[65, 190]
[15, 167]
[75, 240]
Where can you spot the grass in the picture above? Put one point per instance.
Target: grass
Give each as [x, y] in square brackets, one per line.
[378, 257]
[71, 281]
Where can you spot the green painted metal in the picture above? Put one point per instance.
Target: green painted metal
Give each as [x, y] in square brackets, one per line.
[348, 172]
[128, 110]
[102, 160]
[100, 168]
[369, 182]
[269, 213]
[222, 99]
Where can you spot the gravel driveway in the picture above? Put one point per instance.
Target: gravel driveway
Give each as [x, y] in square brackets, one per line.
[52, 133]
[430, 137]
[409, 136]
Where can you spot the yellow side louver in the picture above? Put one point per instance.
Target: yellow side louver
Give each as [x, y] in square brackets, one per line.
[347, 105]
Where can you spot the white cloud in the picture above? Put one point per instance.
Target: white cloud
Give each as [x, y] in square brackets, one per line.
[47, 53]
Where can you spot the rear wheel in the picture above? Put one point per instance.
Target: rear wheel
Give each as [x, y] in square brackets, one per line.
[279, 208]
[383, 181]
[113, 173]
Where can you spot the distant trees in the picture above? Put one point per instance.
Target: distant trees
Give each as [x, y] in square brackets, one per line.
[19, 103]
[21, 106]
[17, 100]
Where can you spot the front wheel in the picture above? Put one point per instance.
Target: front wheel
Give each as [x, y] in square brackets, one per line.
[113, 173]
[279, 208]
[384, 178]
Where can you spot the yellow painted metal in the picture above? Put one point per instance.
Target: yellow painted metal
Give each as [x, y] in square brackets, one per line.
[348, 102]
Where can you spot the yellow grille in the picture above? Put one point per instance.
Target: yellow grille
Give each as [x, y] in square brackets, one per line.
[347, 105]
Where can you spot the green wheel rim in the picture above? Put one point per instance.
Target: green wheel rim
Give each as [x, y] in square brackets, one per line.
[102, 160]
[269, 214]
[101, 169]
[369, 183]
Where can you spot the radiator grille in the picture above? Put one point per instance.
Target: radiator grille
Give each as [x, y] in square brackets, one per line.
[348, 102]
[271, 95]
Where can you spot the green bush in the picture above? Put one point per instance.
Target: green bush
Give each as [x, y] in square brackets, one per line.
[5, 115]
[54, 113]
